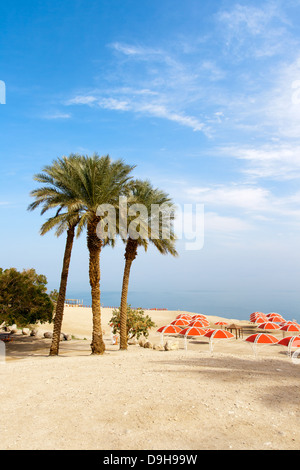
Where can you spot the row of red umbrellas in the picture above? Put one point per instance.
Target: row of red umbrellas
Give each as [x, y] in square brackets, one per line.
[263, 338]
[288, 326]
[273, 321]
[195, 325]
[259, 317]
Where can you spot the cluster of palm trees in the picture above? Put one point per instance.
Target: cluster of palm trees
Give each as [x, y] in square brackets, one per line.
[74, 187]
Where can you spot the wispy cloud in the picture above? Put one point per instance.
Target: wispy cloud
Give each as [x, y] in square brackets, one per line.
[143, 103]
[255, 31]
[246, 199]
[278, 162]
[210, 94]
[58, 115]
[234, 196]
[81, 99]
[134, 50]
[219, 224]
[153, 82]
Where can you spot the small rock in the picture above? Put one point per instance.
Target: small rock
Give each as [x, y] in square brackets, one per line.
[158, 347]
[148, 345]
[68, 337]
[48, 335]
[142, 342]
[12, 329]
[34, 332]
[26, 331]
[133, 341]
[171, 346]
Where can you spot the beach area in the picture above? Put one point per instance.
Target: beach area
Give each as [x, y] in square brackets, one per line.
[146, 399]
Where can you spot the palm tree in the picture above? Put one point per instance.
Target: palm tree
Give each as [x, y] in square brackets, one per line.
[97, 181]
[154, 226]
[56, 194]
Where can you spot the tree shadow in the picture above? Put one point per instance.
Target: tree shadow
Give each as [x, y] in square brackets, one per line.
[22, 347]
[235, 369]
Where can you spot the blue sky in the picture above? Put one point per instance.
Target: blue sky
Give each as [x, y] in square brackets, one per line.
[203, 96]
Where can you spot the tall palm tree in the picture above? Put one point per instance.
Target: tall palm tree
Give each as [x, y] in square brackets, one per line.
[153, 227]
[97, 181]
[56, 194]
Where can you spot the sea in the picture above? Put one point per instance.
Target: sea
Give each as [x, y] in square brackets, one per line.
[229, 304]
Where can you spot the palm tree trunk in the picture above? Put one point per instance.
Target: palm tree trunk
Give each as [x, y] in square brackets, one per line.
[130, 255]
[62, 292]
[94, 246]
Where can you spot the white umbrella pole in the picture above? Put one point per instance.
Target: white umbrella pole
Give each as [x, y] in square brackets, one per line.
[254, 349]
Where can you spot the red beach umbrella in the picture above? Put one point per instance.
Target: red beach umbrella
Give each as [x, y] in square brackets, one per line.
[199, 323]
[180, 322]
[275, 317]
[290, 342]
[261, 338]
[220, 334]
[259, 319]
[217, 334]
[257, 315]
[269, 326]
[199, 316]
[290, 327]
[221, 323]
[168, 330]
[192, 331]
[184, 316]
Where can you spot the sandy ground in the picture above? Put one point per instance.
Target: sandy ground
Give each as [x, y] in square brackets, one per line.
[146, 399]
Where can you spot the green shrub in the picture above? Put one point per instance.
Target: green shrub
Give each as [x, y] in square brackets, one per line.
[138, 324]
[23, 298]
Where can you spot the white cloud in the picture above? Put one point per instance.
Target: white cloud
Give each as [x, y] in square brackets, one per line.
[161, 111]
[158, 83]
[82, 99]
[279, 162]
[57, 116]
[230, 225]
[247, 198]
[142, 102]
[251, 201]
[131, 50]
[282, 102]
[114, 104]
[255, 31]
